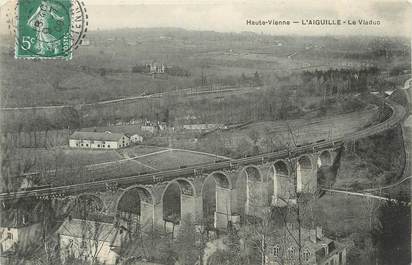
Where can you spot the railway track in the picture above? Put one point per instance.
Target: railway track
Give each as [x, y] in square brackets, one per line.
[398, 113]
[360, 194]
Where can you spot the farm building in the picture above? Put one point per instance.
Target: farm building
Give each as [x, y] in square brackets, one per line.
[98, 140]
[89, 240]
[135, 138]
[149, 128]
[157, 68]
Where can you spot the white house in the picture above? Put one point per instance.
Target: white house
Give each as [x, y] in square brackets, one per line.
[98, 140]
[19, 237]
[148, 128]
[89, 240]
[157, 68]
[135, 138]
[17, 233]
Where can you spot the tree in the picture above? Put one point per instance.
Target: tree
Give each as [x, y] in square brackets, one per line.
[102, 71]
[257, 232]
[243, 78]
[140, 69]
[12, 167]
[47, 216]
[267, 141]
[187, 245]
[220, 257]
[70, 118]
[217, 144]
[300, 214]
[6, 166]
[244, 148]
[255, 137]
[281, 223]
[233, 243]
[256, 79]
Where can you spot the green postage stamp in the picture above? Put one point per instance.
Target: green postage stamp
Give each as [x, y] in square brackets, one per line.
[44, 29]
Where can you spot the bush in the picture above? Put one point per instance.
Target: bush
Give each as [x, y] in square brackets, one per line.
[177, 71]
[140, 69]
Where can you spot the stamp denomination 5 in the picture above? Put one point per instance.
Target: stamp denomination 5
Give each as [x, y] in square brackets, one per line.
[49, 28]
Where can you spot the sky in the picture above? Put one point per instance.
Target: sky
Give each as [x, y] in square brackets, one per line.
[395, 16]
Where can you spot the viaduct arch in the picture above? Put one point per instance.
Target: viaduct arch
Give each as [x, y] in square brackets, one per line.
[281, 183]
[85, 204]
[135, 208]
[325, 159]
[305, 177]
[216, 200]
[178, 200]
[249, 188]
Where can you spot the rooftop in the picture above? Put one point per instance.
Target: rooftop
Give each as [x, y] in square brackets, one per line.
[96, 136]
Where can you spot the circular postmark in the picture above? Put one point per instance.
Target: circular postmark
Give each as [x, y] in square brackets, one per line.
[48, 28]
[79, 23]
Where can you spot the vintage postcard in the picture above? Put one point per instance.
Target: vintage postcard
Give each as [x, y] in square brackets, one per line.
[194, 132]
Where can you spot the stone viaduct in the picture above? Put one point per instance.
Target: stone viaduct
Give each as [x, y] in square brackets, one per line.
[240, 188]
[213, 198]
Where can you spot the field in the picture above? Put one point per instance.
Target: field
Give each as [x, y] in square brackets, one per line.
[351, 220]
[272, 135]
[378, 160]
[63, 166]
[59, 83]
[63, 157]
[139, 150]
[345, 215]
[175, 158]
[103, 70]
